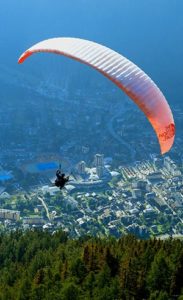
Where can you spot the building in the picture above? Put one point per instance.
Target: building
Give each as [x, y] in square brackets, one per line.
[149, 212]
[81, 167]
[171, 166]
[150, 196]
[158, 163]
[139, 184]
[99, 160]
[5, 195]
[136, 193]
[100, 171]
[155, 177]
[34, 220]
[9, 214]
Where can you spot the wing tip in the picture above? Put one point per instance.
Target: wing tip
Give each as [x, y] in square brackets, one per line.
[166, 147]
[24, 56]
[166, 138]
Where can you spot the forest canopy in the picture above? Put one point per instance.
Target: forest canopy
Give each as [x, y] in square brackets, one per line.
[40, 265]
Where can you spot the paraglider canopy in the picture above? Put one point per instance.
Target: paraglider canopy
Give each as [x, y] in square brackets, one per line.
[125, 74]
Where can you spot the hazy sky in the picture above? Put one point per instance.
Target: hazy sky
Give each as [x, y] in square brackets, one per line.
[149, 32]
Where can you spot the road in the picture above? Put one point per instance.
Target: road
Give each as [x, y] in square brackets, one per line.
[45, 206]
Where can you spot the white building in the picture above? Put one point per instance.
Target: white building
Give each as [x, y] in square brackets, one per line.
[9, 214]
[35, 220]
[99, 160]
[100, 171]
[81, 167]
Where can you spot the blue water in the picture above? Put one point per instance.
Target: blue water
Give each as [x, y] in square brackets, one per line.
[5, 177]
[47, 166]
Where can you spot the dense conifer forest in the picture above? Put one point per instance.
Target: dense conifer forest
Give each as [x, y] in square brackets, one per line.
[40, 265]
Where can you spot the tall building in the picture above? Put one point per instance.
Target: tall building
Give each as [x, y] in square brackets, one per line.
[81, 167]
[100, 171]
[99, 160]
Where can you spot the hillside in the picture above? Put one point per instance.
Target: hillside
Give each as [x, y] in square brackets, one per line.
[38, 265]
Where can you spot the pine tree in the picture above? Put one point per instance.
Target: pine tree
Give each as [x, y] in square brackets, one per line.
[70, 292]
[177, 277]
[111, 261]
[159, 275]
